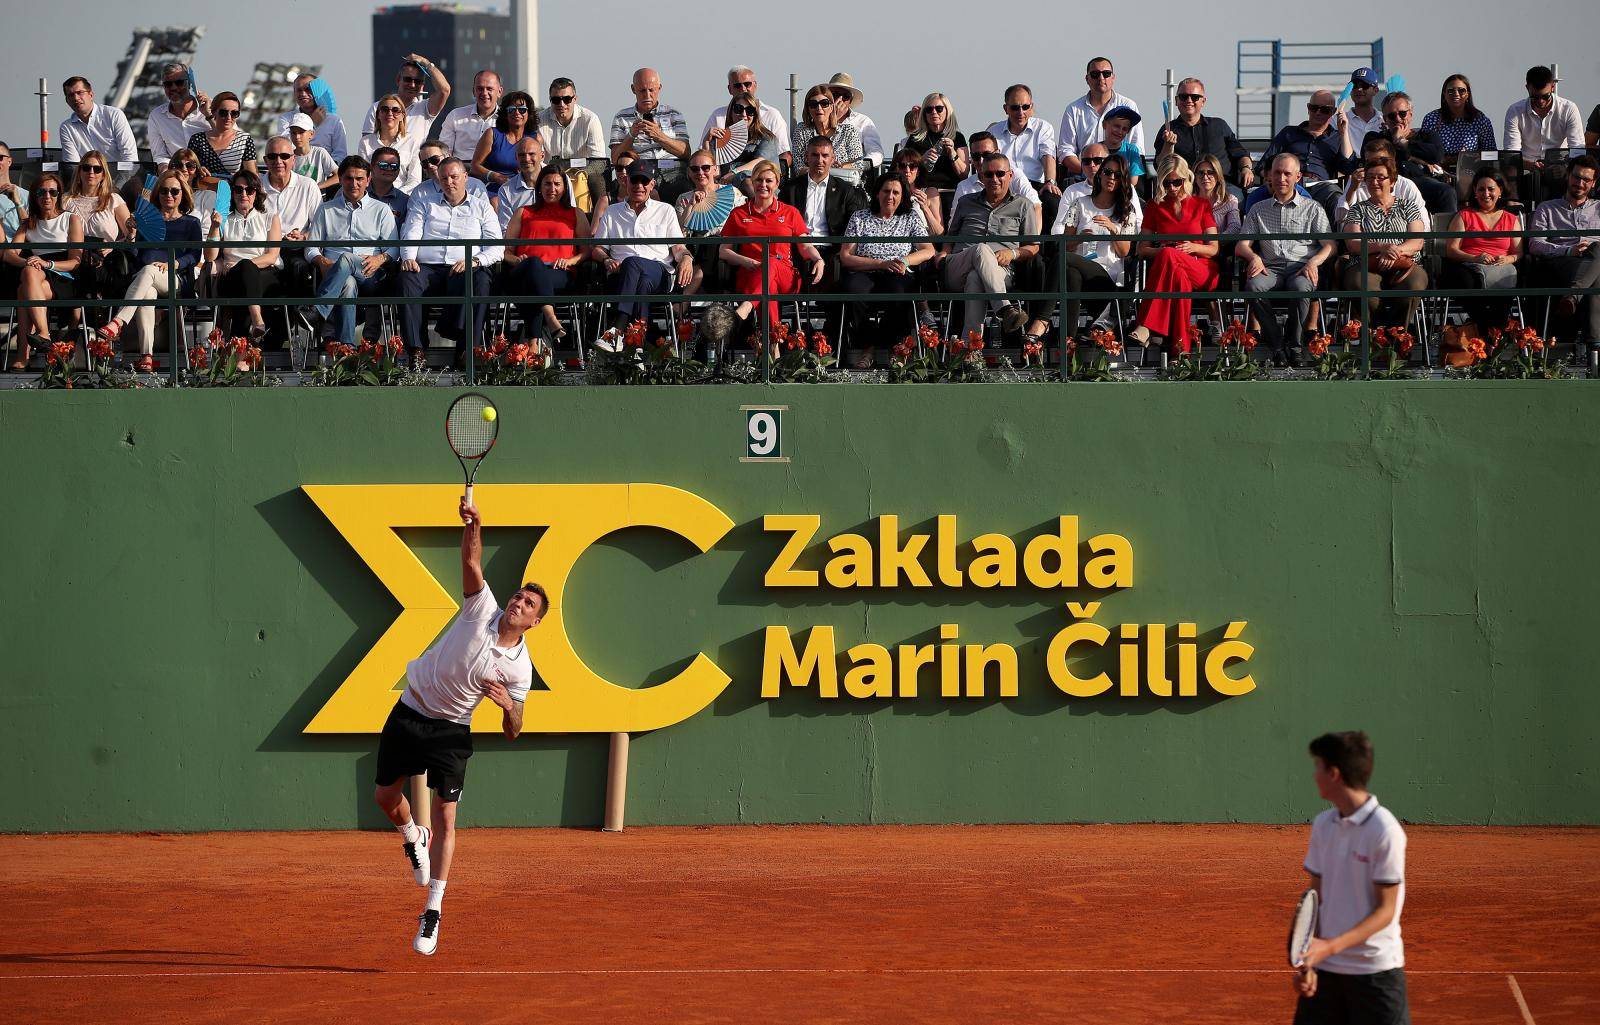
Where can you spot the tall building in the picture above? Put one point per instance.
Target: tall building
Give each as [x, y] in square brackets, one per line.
[460, 39]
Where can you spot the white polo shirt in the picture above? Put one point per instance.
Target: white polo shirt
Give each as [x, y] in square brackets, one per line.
[447, 680]
[1081, 125]
[295, 204]
[626, 233]
[167, 133]
[1352, 855]
[1361, 127]
[1027, 150]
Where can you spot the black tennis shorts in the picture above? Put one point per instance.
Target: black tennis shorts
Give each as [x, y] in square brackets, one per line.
[413, 744]
[1378, 999]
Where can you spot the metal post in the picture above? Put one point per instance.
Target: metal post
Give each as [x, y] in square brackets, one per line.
[467, 319]
[766, 317]
[172, 310]
[616, 783]
[1366, 314]
[1065, 330]
[44, 113]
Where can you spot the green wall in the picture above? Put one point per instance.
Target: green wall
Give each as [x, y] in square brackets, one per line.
[1415, 559]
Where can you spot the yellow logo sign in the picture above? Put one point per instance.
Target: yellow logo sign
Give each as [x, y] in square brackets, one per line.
[576, 516]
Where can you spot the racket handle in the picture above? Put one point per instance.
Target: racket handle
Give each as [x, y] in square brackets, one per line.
[469, 494]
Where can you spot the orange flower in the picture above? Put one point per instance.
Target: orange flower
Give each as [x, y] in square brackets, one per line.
[60, 353]
[100, 349]
[820, 343]
[1476, 349]
[1351, 331]
[1318, 346]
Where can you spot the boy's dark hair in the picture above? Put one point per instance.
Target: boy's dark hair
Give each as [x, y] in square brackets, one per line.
[1349, 751]
[543, 598]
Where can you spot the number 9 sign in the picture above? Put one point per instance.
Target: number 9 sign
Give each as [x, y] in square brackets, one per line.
[763, 434]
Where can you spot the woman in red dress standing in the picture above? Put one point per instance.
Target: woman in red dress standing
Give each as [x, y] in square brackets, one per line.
[766, 215]
[1178, 266]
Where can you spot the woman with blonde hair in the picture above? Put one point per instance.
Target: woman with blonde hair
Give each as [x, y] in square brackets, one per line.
[171, 197]
[389, 129]
[55, 246]
[768, 215]
[939, 142]
[105, 218]
[1185, 265]
[820, 117]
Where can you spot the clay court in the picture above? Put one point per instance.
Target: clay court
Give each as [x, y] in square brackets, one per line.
[1103, 924]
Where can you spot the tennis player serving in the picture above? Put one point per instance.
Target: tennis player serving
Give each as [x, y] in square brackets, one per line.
[481, 656]
[1353, 971]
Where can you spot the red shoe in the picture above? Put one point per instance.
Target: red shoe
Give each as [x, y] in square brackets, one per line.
[111, 332]
[146, 364]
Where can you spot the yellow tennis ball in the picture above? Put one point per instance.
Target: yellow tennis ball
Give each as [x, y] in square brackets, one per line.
[489, 413]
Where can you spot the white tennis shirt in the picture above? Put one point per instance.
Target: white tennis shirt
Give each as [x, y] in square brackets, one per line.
[1352, 855]
[447, 680]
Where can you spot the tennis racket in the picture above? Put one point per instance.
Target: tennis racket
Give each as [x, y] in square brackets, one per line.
[1302, 928]
[470, 427]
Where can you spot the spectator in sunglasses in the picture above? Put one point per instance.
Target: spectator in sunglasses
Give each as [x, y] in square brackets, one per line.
[1106, 209]
[820, 119]
[384, 185]
[760, 144]
[742, 90]
[327, 130]
[990, 266]
[1029, 142]
[55, 238]
[170, 194]
[1082, 122]
[105, 218]
[245, 271]
[1540, 122]
[394, 131]
[223, 149]
[91, 125]
[909, 166]
[845, 98]
[1322, 142]
[937, 139]
[1183, 266]
[169, 125]
[495, 160]
[294, 199]
[1192, 135]
[201, 188]
[1420, 154]
[575, 140]
[1458, 122]
[414, 74]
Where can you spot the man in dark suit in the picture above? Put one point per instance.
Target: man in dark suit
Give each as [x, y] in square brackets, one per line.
[827, 204]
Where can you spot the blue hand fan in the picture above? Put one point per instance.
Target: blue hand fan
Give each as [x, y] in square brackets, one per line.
[194, 90]
[713, 218]
[1396, 84]
[146, 218]
[1344, 97]
[1166, 113]
[323, 94]
[224, 199]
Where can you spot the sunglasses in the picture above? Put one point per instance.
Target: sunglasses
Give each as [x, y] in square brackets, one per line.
[744, 85]
[1457, 90]
[243, 188]
[1399, 115]
[1110, 174]
[280, 156]
[91, 169]
[1319, 108]
[1101, 74]
[1019, 107]
[518, 109]
[1205, 172]
[190, 165]
[639, 179]
[993, 176]
[1362, 85]
[227, 114]
[1173, 183]
[432, 161]
[169, 192]
[409, 80]
[176, 83]
[392, 110]
[1191, 97]
[563, 100]
[819, 103]
[936, 110]
[387, 165]
[1093, 160]
[47, 192]
[702, 168]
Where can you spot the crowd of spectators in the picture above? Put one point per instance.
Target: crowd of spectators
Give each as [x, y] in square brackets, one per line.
[388, 212]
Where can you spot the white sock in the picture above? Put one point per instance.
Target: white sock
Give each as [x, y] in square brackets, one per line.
[410, 831]
[436, 895]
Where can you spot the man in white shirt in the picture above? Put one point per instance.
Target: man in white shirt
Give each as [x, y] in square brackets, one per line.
[981, 144]
[742, 86]
[463, 127]
[518, 191]
[483, 655]
[575, 140]
[327, 130]
[636, 264]
[169, 125]
[420, 110]
[1080, 124]
[92, 126]
[1364, 115]
[1354, 973]
[432, 268]
[295, 199]
[1030, 144]
[1543, 121]
[432, 156]
[349, 268]
[845, 97]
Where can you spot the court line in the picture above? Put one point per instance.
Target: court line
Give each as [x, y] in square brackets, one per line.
[768, 971]
[1516, 991]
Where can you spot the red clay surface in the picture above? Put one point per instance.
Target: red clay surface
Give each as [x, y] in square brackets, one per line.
[1101, 924]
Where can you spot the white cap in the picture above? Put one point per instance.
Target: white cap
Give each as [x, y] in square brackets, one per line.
[302, 120]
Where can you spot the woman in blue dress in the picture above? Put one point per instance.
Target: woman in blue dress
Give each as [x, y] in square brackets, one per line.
[496, 158]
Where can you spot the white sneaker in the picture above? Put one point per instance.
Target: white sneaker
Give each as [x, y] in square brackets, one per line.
[417, 854]
[610, 341]
[427, 940]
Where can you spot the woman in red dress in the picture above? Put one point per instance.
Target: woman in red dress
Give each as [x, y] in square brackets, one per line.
[766, 215]
[1180, 266]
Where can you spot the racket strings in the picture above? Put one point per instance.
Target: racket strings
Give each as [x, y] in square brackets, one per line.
[469, 434]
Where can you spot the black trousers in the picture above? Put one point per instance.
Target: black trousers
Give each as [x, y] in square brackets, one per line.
[1356, 1000]
[1083, 275]
[435, 279]
[244, 280]
[895, 319]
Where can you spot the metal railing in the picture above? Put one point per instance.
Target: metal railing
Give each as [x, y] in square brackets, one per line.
[174, 303]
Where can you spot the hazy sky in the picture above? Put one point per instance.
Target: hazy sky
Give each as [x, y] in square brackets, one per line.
[897, 51]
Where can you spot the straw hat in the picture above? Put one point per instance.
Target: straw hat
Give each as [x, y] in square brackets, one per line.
[844, 81]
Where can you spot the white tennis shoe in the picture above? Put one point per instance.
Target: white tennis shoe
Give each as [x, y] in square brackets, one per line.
[427, 940]
[417, 854]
